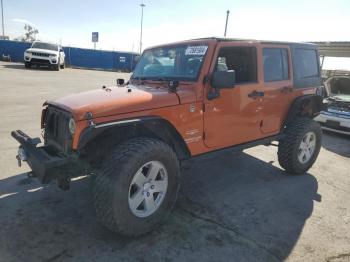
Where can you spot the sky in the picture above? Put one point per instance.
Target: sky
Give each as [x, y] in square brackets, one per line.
[71, 22]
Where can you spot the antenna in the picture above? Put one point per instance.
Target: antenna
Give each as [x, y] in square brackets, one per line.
[227, 15]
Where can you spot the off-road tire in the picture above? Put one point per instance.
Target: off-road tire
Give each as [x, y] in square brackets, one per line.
[111, 185]
[27, 65]
[288, 147]
[62, 66]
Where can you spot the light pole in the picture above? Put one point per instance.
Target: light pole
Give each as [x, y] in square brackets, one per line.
[2, 19]
[227, 14]
[142, 6]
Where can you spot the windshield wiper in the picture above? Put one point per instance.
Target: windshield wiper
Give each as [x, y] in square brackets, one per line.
[171, 84]
[139, 79]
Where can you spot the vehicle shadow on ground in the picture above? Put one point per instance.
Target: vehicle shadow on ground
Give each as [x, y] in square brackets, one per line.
[22, 67]
[231, 206]
[336, 143]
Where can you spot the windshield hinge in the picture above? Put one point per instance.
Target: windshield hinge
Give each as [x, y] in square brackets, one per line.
[172, 85]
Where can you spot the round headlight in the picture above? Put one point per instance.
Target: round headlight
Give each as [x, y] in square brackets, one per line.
[71, 126]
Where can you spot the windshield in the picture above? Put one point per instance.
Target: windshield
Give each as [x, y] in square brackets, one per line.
[46, 46]
[175, 62]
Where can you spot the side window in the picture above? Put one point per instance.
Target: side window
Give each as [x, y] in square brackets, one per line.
[306, 65]
[276, 66]
[240, 59]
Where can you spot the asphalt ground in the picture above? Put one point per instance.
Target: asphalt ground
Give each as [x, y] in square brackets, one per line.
[232, 207]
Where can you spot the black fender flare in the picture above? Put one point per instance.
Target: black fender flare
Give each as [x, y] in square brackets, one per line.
[147, 126]
[313, 103]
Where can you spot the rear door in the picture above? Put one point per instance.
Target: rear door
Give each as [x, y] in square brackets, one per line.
[234, 117]
[277, 87]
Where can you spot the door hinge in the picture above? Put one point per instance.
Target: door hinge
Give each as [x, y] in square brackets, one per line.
[203, 107]
[205, 79]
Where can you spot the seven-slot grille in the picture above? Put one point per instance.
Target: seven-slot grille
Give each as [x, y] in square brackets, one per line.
[40, 61]
[340, 106]
[56, 129]
[40, 54]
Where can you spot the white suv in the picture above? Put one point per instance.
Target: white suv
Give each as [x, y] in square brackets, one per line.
[41, 53]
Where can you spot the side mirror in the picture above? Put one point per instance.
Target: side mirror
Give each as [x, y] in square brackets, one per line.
[120, 82]
[223, 79]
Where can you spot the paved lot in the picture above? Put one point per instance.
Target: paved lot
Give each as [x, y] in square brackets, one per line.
[232, 207]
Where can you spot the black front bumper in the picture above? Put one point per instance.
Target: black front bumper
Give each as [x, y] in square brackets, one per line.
[45, 163]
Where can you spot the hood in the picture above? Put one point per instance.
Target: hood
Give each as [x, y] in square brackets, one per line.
[338, 87]
[116, 100]
[41, 51]
[343, 98]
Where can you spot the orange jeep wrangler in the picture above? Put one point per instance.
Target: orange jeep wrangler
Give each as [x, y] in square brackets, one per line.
[183, 100]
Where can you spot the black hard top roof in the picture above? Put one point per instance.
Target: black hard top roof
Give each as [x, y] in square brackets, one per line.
[225, 39]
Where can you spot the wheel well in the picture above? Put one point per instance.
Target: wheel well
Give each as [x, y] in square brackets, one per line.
[95, 143]
[304, 106]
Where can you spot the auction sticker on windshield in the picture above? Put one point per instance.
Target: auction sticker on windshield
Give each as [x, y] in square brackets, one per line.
[196, 50]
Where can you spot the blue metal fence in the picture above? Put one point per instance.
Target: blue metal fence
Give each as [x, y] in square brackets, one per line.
[14, 49]
[77, 57]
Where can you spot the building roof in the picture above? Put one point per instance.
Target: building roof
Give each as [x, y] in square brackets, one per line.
[334, 49]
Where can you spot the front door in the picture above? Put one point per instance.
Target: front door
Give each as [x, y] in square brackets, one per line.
[234, 117]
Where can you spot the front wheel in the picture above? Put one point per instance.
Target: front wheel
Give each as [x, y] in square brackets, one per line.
[298, 150]
[137, 186]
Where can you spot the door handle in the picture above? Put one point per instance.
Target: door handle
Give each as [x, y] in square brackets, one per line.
[286, 89]
[256, 94]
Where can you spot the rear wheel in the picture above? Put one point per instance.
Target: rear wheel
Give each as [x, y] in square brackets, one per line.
[137, 186]
[298, 151]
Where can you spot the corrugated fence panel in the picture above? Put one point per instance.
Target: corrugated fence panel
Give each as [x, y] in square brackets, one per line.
[14, 49]
[77, 57]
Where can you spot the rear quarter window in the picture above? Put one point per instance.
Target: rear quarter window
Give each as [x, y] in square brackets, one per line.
[306, 64]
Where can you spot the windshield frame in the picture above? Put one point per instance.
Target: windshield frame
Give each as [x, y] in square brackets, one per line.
[169, 78]
[47, 44]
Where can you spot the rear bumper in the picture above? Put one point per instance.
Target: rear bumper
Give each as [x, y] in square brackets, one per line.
[334, 122]
[44, 162]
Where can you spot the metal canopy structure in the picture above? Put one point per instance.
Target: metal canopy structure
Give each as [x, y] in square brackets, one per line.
[334, 49]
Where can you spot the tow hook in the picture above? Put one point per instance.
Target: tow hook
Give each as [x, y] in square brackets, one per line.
[30, 174]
